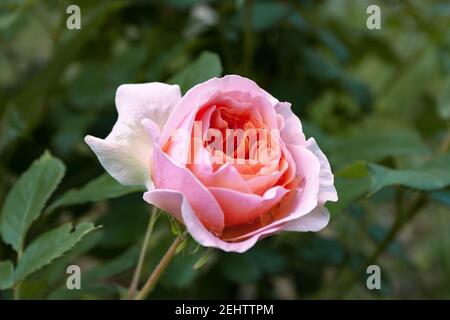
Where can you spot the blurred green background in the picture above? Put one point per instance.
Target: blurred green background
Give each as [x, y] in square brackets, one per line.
[377, 101]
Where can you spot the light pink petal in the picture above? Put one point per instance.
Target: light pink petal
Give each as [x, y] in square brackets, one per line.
[291, 170]
[202, 92]
[225, 177]
[180, 141]
[259, 184]
[308, 169]
[125, 153]
[300, 202]
[155, 101]
[177, 204]
[167, 200]
[242, 208]
[292, 132]
[314, 221]
[327, 191]
[167, 174]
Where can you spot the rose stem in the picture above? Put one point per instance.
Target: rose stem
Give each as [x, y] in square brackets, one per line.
[162, 265]
[137, 272]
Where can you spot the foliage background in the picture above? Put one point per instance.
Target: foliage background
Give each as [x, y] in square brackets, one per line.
[367, 96]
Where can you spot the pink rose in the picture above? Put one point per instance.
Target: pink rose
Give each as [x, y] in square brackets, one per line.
[227, 160]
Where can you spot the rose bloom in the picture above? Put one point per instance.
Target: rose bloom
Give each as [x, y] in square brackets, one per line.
[228, 197]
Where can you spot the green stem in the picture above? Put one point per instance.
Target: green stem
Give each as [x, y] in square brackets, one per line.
[137, 272]
[398, 225]
[16, 289]
[162, 265]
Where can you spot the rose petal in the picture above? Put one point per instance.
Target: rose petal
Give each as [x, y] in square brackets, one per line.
[226, 177]
[298, 202]
[241, 208]
[314, 221]
[167, 174]
[178, 205]
[327, 190]
[292, 132]
[125, 153]
[202, 92]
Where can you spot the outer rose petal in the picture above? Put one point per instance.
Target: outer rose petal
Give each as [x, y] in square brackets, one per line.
[169, 175]
[177, 204]
[314, 221]
[292, 132]
[240, 208]
[302, 202]
[125, 153]
[327, 191]
[202, 92]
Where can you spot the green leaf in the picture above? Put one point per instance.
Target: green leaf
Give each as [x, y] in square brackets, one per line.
[6, 275]
[202, 261]
[91, 277]
[206, 66]
[50, 246]
[355, 170]
[27, 198]
[101, 188]
[39, 284]
[432, 176]
[182, 245]
[371, 146]
[176, 227]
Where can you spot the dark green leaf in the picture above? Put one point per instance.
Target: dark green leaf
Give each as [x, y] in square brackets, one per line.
[6, 275]
[50, 246]
[27, 198]
[432, 176]
[101, 188]
[371, 146]
[39, 284]
[206, 66]
[202, 261]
